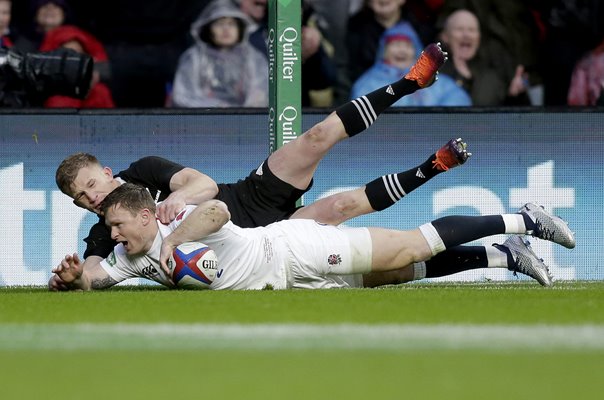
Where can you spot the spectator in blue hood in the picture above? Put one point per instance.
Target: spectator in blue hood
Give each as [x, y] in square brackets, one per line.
[399, 48]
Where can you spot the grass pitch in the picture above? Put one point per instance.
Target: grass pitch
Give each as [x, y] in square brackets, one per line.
[429, 341]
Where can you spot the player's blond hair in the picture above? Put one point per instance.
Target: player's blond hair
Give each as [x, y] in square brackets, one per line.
[69, 168]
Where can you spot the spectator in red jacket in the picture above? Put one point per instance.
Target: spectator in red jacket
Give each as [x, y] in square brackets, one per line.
[76, 39]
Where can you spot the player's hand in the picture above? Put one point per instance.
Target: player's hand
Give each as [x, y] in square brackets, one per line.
[164, 255]
[70, 269]
[168, 209]
[519, 83]
[56, 284]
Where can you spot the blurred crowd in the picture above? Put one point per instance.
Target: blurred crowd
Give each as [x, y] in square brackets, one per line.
[213, 53]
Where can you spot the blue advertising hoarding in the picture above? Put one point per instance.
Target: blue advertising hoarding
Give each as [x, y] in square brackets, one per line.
[554, 159]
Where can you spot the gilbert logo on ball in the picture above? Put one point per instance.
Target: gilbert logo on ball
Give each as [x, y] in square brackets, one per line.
[194, 265]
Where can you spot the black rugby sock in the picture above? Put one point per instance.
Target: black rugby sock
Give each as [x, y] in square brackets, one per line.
[459, 229]
[358, 114]
[446, 232]
[388, 189]
[456, 259]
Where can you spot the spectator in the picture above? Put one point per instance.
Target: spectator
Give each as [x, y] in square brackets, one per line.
[573, 28]
[509, 42]
[257, 28]
[587, 80]
[221, 69]
[421, 14]
[365, 28]
[71, 37]
[5, 17]
[318, 67]
[486, 87]
[50, 14]
[47, 15]
[399, 49]
[334, 16]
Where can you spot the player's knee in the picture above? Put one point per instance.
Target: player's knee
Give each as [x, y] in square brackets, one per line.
[316, 134]
[339, 209]
[319, 137]
[344, 206]
[417, 254]
[409, 251]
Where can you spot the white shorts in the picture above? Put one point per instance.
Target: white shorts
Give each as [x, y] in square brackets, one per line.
[325, 256]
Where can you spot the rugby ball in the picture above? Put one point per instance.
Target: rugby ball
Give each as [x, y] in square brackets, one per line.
[193, 266]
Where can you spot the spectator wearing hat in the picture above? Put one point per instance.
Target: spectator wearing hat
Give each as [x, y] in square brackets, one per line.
[74, 38]
[399, 48]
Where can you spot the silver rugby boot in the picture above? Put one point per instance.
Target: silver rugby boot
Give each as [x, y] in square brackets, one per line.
[548, 226]
[525, 260]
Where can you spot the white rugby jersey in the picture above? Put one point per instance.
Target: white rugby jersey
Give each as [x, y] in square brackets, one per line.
[120, 266]
[247, 258]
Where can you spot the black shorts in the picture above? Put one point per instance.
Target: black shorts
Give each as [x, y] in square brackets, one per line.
[260, 199]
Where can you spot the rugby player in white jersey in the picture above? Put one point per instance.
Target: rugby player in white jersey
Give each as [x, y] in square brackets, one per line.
[270, 192]
[302, 253]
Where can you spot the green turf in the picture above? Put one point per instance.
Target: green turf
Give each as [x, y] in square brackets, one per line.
[305, 374]
[516, 302]
[287, 375]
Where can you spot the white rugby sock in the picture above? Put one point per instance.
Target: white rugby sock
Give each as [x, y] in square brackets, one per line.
[419, 270]
[433, 238]
[496, 258]
[514, 223]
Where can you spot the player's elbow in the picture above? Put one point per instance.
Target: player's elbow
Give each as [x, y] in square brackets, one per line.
[189, 177]
[223, 211]
[218, 213]
[211, 187]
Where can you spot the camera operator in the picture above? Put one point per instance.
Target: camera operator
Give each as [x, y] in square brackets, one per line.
[27, 79]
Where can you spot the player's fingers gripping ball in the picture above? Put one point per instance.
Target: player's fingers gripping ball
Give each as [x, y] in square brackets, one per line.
[193, 265]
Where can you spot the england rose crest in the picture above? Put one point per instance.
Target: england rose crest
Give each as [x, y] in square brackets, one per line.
[334, 259]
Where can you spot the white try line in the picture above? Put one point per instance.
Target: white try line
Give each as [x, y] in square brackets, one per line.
[300, 337]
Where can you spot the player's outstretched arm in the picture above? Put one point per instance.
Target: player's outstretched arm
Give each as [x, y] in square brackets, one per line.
[188, 186]
[72, 273]
[202, 221]
[56, 284]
